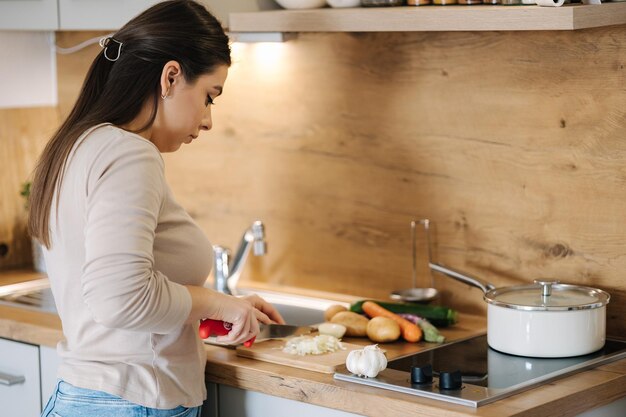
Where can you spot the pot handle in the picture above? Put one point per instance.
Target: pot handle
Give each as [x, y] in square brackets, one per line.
[478, 283]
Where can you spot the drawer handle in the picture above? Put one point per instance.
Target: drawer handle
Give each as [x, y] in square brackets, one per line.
[8, 379]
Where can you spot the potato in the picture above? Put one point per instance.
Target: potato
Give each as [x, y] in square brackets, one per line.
[332, 310]
[382, 330]
[356, 324]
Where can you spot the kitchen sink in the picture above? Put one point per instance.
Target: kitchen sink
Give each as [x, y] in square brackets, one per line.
[295, 309]
[298, 310]
[33, 295]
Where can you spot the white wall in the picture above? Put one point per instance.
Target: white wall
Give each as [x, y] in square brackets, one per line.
[27, 69]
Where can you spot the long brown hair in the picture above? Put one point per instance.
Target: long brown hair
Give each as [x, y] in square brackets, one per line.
[116, 91]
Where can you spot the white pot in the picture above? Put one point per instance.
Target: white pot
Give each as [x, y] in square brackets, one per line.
[546, 320]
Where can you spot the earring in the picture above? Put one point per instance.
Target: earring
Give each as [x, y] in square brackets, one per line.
[164, 96]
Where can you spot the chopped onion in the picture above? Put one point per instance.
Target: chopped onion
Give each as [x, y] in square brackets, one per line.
[318, 345]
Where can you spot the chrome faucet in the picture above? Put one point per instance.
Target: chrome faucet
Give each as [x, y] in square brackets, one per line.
[227, 271]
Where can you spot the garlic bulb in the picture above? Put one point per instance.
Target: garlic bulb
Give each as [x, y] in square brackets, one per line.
[367, 362]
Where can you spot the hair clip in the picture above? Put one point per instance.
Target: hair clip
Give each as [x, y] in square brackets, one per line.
[104, 43]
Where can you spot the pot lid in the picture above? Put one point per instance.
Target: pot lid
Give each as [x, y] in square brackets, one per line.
[548, 295]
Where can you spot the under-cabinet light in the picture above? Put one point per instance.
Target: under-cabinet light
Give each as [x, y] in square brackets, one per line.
[250, 37]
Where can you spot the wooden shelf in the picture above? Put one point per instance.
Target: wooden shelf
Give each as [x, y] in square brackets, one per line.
[431, 18]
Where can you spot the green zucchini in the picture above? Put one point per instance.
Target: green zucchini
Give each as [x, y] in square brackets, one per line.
[438, 315]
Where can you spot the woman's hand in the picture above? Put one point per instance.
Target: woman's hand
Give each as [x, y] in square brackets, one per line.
[244, 313]
[265, 307]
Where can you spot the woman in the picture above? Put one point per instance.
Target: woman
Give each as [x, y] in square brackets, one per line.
[126, 263]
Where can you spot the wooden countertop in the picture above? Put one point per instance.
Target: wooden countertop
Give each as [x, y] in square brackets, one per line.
[567, 396]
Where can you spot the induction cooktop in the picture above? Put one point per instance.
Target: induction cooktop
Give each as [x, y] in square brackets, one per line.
[469, 372]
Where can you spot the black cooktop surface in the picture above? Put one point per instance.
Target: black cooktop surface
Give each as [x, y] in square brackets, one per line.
[469, 372]
[483, 366]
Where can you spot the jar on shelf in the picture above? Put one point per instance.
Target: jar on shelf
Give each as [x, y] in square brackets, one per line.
[419, 2]
[470, 2]
[381, 3]
[510, 2]
[445, 2]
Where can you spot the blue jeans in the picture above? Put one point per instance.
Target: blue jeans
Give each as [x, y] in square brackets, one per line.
[70, 401]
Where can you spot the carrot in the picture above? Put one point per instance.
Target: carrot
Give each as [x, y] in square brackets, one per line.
[410, 331]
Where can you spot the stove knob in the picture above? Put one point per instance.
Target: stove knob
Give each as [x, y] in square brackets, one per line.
[422, 374]
[450, 380]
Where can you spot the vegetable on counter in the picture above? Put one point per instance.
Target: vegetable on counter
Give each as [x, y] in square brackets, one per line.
[383, 329]
[332, 310]
[437, 315]
[332, 329]
[410, 332]
[356, 324]
[431, 333]
[367, 362]
[318, 345]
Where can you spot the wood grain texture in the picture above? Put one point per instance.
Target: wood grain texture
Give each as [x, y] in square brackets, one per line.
[566, 396]
[30, 326]
[72, 68]
[23, 134]
[511, 143]
[271, 351]
[431, 19]
[14, 276]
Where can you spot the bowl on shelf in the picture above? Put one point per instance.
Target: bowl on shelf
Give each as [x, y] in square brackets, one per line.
[344, 3]
[301, 4]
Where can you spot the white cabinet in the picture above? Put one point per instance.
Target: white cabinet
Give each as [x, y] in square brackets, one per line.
[112, 14]
[99, 15]
[30, 60]
[235, 402]
[49, 362]
[69, 14]
[29, 15]
[27, 378]
[20, 393]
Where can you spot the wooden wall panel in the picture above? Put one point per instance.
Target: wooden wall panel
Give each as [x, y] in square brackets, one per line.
[72, 68]
[511, 143]
[23, 133]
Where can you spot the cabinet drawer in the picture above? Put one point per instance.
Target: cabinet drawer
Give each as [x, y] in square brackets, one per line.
[19, 399]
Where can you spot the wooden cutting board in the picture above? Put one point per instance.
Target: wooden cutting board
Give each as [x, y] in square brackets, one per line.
[271, 351]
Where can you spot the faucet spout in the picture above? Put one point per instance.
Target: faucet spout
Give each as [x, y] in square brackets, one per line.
[227, 271]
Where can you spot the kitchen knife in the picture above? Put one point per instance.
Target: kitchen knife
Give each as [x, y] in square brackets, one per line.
[278, 331]
[209, 327]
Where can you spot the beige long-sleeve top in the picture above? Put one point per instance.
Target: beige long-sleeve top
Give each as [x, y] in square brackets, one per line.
[122, 249]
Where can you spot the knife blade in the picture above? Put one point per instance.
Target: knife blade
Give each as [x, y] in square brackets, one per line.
[278, 331]
[209, 327]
